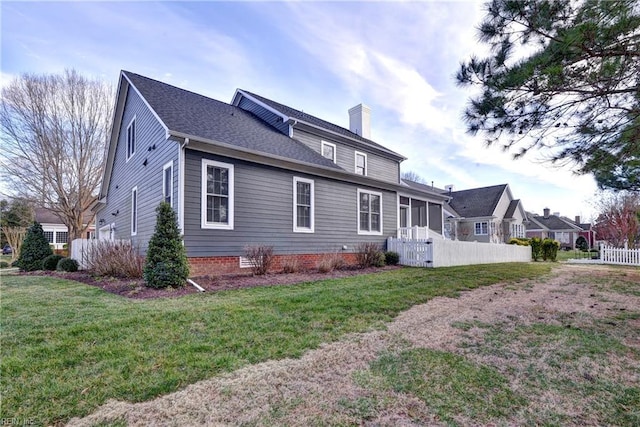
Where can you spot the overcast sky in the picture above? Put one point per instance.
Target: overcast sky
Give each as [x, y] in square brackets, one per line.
[320, 57]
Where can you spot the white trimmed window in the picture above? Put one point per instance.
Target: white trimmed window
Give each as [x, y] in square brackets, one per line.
[167, 183]
[303, 210]
[329, 151]
[49, 236]
[131, 138]
[134, 211]
[62, 237]
[482, 228]
[361, 163]
[217, 195]
[369, 212]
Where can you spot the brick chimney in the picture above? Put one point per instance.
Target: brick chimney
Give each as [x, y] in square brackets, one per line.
[547, 213]
[577, 219]
[360, 120]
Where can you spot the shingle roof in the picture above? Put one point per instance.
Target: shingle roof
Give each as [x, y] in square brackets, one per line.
[202, 117]
[477, 202]
[308, 118]
[512, 208]
[422, 187]
[554, 222]
[47, 216]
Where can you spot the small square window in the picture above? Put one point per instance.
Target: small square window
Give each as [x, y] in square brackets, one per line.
[482, 228]
[329, 151]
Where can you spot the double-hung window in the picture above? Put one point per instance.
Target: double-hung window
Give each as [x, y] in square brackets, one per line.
[167, 183]
[481, 228]
[361, 163]
[329, 151]
[131, 138]
[134, 211]
[369, 212]
[217, 195]
[303, 210]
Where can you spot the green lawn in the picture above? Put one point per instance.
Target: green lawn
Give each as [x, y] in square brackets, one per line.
[68, 347]
[573, 254]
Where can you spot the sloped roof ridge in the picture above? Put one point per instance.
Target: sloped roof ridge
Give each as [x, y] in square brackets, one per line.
[172, 87]
[482, 201]
[480, 188]
[314, 120]
[190, 113]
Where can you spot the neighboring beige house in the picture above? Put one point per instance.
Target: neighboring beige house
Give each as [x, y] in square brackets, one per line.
[54, 230]
[486, 214]
[556, 227]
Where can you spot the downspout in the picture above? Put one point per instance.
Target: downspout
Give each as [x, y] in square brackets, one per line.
[181, 184]
[198, 287]
[292, 123]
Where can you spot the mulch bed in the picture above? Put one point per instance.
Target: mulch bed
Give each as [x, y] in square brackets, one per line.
[136, 289]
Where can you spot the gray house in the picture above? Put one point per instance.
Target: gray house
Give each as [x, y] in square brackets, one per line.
[252, 172]
[556, 227]
[486, 214]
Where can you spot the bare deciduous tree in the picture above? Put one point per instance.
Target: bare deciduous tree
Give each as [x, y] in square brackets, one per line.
[54, 133]
[413, 176]
[618, 221]
[15, 236]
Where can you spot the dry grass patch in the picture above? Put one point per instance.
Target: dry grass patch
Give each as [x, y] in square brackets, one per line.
[557, 351]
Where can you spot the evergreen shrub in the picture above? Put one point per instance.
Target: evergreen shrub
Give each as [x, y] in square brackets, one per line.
[67, 264]
[51, 262]
[550, 249]
[166, 264]
[519, 241]
[536, 248]
[35, 248]
[391, 258]
[582, 244]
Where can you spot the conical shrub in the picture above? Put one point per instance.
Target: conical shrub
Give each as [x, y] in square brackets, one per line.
[35, 248]
[166, 263]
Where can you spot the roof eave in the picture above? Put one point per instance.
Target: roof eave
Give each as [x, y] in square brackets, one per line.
[225, 149]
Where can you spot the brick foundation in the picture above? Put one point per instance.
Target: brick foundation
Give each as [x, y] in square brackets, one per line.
[213, 266]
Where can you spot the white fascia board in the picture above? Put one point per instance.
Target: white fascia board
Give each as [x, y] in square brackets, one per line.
[240, 93]
[116, 124]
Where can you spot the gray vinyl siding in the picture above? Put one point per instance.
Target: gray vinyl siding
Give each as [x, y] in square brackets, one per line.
[264, 212]
[267, 116]
[133, 173]
[378, 167]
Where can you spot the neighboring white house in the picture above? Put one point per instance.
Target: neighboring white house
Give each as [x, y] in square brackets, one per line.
[54, 230]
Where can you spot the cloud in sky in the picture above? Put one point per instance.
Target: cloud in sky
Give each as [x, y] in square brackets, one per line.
[321, 57]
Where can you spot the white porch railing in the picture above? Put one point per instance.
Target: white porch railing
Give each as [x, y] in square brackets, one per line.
[413, 233]
[620, 256]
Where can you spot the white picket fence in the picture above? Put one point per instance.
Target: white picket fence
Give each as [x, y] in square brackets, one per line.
[446, 253]
[620, 256]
